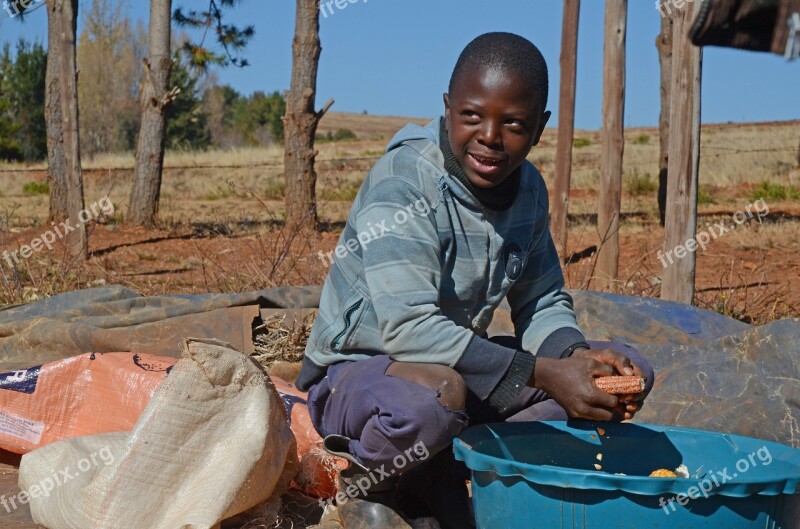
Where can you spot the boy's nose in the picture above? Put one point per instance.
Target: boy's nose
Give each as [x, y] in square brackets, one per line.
[490, 134]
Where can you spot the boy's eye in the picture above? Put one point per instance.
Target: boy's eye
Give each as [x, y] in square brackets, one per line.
[516, 125]
[470, 116]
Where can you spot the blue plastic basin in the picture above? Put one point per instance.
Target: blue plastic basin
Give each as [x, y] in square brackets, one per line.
[542, 475]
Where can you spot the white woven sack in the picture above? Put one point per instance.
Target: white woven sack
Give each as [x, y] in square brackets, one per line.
[212, 442]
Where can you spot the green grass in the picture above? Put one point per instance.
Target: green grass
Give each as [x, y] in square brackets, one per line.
[340, 194]
[275, 190]
[36, 188]
[220, 193]
[117, 218]
[339, 135]
[640, 184]
[704, 197]
[371, 152]
[770, 191]
[580, 143]
[642, 139]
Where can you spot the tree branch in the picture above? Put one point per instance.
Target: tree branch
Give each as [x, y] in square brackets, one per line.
[324, 109]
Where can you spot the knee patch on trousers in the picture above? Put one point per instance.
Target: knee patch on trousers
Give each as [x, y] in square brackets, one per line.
[448, 384]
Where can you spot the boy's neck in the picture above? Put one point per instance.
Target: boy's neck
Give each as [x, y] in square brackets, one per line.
[499, 197]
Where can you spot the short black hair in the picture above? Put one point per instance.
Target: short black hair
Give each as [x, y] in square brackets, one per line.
[509, 53]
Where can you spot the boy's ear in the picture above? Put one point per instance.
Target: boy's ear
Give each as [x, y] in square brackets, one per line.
[446, 99]
[542, 124]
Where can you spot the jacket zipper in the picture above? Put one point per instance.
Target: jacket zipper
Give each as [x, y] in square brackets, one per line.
[347, 315]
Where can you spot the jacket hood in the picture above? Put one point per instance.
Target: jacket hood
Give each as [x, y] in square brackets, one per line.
[415, 133]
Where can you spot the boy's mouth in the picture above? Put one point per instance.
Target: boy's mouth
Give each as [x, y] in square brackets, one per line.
[485, 165]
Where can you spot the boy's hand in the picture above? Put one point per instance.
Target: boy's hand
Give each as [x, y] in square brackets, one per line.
[570, 383]
[628, 404]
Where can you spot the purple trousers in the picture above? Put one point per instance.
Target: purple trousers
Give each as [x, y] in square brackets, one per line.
[395, 424]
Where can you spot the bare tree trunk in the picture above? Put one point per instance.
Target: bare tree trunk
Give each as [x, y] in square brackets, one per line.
[155, 98]
[66, 12]
[302, 119]
[616, 19]
[566, 124]
[664, 46]
[56, 163]
[679, 258]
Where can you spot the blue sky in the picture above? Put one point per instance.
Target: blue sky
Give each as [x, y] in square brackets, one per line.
[395, 56]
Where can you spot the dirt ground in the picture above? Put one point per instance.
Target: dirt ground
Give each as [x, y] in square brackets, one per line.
[751, 272]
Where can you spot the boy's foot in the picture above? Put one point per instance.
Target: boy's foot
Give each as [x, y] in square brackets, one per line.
[438, 488]
[366, 514]
[369, 503]
[356, 518]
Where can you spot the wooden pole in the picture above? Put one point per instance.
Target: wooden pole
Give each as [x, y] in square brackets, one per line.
[302, 119]
[68, 86]
[684, 163]
[566, 123]
[664, 47]
[54, 119]
[154, 100]
[613, 142]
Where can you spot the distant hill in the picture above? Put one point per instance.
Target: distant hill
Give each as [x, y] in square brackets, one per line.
[365, 126]
[369, 127]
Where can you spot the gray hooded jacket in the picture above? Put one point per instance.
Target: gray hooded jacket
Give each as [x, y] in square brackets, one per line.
[421, 266]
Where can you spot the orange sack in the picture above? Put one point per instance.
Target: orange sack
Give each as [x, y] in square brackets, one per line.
[317, 470]
[97, 393]
[87, 394]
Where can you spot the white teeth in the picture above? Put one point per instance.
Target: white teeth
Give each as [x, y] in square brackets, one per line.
[484, 161]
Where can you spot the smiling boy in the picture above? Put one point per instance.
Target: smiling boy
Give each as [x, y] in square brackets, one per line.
[398, 356]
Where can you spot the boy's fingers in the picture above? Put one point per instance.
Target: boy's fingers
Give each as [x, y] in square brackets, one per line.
[600, 369]
[601, 398]
[637, 398]
[621, 363]
[626, 411]
[636, 371]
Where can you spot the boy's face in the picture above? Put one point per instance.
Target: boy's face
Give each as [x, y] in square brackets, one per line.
[493, 121]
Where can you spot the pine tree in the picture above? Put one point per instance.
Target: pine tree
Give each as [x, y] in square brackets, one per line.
[9, 147]
[22, 81]
[187, 123]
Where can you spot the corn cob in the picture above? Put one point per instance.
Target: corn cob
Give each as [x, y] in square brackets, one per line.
[663, 473]
[620, 385]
